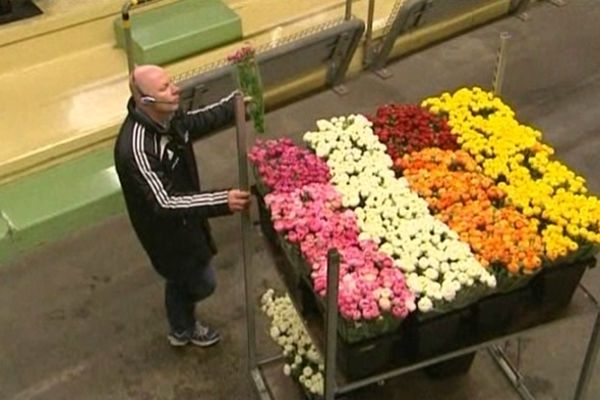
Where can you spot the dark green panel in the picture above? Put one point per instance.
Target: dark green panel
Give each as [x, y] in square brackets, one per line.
[180, 29]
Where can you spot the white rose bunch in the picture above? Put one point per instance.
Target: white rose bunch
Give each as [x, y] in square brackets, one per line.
[287, 330]
[437, 265]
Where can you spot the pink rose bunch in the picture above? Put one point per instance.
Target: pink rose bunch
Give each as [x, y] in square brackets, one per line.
[313, 218]
[370, 285]
[283, 166]
[245, 53]
[311, 213]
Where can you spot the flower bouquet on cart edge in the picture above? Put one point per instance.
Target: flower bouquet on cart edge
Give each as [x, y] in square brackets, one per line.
[249, 82]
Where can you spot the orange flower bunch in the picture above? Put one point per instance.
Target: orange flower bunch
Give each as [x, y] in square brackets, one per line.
[443, 189]
[460, 195]
[497, 235]
[435, 158]
[445, 178]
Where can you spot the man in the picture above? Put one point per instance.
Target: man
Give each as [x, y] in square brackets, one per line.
[157, 170]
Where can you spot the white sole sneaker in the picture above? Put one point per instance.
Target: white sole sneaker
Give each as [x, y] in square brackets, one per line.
[206, 343]
[175, 342]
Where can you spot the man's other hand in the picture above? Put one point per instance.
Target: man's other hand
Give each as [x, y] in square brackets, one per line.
[238, 200]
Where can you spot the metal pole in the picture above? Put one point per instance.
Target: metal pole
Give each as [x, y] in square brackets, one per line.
[333, 276]
[589, 362]
[126, 23]
[511, 373]
[501, 63]
[348, 15]
[369, 34]
[242, 133]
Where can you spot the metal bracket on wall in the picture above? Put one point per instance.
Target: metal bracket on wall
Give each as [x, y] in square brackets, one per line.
[340, 59]
[383, 73]
[418, 17]
[341, 90]
[408, 15]
[519, 9]
[337, 57]
[524, 16]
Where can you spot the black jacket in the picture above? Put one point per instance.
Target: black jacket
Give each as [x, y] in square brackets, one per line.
[157, 171]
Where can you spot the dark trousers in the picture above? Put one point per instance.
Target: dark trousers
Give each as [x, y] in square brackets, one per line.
[185, 287]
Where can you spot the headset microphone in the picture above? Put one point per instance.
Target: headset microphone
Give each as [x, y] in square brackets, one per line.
[147, 100]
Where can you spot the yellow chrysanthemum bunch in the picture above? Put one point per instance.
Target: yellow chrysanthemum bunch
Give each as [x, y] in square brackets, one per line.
[485, 126]
[513, 155]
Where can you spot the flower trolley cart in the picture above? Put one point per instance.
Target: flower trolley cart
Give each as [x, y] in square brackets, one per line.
[351, 352]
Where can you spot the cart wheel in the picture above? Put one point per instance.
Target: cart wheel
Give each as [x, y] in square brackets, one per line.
[449, 368]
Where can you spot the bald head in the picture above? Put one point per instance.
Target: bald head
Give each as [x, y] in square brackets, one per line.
[154, 83]
[145, 78]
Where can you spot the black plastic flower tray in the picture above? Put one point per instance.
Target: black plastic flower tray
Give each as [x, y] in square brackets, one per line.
[429, 335]
[359, 359]
[495, 314]
[553, 287]
[366, 358]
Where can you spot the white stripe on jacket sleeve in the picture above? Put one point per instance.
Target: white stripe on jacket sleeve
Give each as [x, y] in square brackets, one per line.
[163, 198]
[210, 106]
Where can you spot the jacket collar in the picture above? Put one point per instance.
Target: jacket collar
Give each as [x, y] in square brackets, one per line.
[144, 119]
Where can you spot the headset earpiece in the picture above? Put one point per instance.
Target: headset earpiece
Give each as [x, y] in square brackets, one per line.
[146, 100]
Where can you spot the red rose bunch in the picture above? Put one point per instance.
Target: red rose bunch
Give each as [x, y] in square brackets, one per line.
[405, 128]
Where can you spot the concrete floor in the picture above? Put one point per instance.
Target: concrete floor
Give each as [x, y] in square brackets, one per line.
[83, 318]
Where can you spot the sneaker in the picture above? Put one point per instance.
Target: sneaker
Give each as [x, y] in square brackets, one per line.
[178, 339]
[204, 335]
